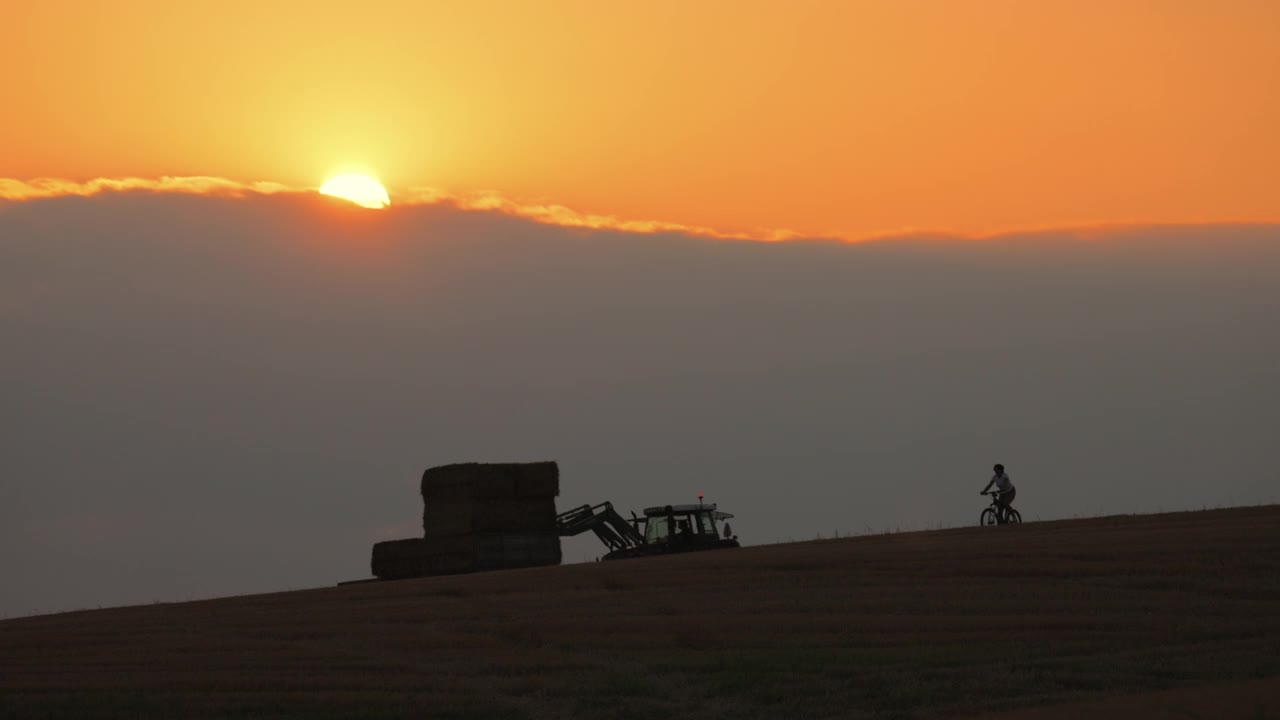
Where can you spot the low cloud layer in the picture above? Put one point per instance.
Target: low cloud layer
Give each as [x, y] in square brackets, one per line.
[20, 190]
[552, 214]
[208, 395]
[15, 190]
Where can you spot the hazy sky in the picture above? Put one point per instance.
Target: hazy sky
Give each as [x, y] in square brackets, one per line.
[207, 396]
[849, 119]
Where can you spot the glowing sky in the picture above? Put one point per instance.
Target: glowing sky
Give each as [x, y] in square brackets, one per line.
[850, 118]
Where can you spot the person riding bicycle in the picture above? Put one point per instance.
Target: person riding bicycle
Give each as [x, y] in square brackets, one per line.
[1005, 492]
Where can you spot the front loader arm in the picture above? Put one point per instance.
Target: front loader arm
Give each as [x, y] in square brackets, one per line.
[612, 529]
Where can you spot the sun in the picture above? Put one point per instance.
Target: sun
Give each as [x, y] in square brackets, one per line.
[359, 189]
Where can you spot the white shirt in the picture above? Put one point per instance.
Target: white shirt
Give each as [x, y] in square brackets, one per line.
[1002, 482]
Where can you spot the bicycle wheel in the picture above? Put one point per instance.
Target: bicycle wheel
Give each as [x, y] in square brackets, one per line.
[988, 517]
[1013, 516]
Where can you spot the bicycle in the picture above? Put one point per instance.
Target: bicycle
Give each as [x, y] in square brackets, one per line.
[998, 514]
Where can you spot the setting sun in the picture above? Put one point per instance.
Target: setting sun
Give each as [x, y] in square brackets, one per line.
[359, 189]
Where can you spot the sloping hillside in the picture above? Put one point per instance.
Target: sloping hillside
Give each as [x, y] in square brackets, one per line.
[932, 624]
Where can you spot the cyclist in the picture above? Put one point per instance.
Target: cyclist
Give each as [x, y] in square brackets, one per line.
[1005, 492]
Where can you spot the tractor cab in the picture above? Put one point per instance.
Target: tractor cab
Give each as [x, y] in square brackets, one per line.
[681, 523]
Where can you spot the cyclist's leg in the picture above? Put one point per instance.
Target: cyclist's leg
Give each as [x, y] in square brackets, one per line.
[1002, 501]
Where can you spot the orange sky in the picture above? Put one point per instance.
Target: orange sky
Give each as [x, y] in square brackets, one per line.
[853, 118]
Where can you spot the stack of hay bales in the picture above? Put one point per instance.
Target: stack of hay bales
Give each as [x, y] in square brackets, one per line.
[479, 516]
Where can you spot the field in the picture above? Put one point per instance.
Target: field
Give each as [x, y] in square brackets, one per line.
[1174, 615]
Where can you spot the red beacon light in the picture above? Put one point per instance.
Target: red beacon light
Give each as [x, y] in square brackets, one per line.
[699, 499]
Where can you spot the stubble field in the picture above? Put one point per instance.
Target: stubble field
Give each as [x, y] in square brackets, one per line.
[1174, 615]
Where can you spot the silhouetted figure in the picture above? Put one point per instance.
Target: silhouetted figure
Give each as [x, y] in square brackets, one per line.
[728, 533]
[1005, 492]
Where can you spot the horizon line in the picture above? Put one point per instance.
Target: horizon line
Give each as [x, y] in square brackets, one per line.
[44, 188]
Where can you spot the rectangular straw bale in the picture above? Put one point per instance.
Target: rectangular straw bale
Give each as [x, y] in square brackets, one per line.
[448, 517]
[417, 557]
[452, 544]
[449, 555]
[495, 483]
[516, 550]
[522, 515]
[538, 479]
[491, 480]
[522, 549]
[446, 476]
[395, 559]
[526, 541]
[443, 518]
[451, 563]
[463, 491]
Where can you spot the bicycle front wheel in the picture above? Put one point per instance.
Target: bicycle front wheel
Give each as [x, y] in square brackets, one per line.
[988, 517]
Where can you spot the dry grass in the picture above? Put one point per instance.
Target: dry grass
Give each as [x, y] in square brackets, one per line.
[934, 624]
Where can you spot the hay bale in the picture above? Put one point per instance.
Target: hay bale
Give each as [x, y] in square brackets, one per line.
[491, 481]
[521, 515]
[538, 479]
[443, 518]
[455, 544]
[449, 563]
[418, 557]
[495, 483]
[445, 480]
[395, 559]
[450, 492]
[499, 551]
[446, 475]
[470, 481]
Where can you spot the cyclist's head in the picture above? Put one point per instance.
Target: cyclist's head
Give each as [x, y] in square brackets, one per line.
[998, 468]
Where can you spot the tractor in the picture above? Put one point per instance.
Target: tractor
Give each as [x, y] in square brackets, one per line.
[664, 529]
